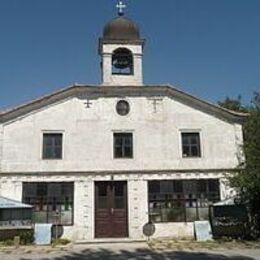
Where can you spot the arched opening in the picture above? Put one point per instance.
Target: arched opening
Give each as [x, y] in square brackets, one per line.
[122, 62]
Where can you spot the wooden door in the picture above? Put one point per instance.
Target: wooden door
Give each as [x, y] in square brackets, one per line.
[111, 218]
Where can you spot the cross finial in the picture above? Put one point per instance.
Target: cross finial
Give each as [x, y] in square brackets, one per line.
[120, 6]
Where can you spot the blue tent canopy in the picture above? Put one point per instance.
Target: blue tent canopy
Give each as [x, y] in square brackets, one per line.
[6, 203]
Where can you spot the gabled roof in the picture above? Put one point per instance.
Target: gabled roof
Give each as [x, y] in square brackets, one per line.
[95, 91]
[6, 203]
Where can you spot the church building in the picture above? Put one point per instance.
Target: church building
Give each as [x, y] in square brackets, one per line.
[103, 160]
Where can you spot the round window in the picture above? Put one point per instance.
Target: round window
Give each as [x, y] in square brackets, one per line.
[122, 107]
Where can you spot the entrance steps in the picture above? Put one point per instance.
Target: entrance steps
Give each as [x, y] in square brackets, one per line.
[109, 241]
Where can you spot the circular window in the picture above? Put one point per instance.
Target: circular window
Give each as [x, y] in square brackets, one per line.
[122, 107]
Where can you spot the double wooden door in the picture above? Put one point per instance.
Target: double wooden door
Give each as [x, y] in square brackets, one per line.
[111, 218]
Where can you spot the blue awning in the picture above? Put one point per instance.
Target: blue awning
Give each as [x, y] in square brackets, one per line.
[6, 203]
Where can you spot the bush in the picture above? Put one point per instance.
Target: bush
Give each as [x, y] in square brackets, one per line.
[8, 242]
[26, 237]
[60, 242]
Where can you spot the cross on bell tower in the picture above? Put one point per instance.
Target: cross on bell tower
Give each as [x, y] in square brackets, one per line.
[121, 51]
[120, 6]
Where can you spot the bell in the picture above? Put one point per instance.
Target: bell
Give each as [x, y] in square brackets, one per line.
[121, 62]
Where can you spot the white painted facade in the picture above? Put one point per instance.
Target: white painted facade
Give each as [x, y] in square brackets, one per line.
[156, 122]
[157, 137]
[83, 226]
[88, 148]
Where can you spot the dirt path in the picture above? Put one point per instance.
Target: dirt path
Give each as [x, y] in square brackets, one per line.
[130, 251]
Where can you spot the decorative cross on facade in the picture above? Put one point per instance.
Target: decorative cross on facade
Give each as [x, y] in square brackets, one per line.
[120, 6]
[88, 103]
[155, 102]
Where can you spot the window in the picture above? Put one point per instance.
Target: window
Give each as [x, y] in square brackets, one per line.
[122, 62]
[123, 145]
[15, 217]
[52, 202]
[122, 107]
[191, 145]
[181, 201]
[52, 146]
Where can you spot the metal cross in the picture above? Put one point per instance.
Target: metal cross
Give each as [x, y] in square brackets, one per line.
[120, 6]
[88, 103]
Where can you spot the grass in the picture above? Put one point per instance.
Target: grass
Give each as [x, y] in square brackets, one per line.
[60, 242]
[8, 242]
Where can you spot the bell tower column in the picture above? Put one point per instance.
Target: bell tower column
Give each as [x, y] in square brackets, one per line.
[106, 67]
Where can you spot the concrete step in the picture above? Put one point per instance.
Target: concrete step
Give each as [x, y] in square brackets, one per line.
[109, 241]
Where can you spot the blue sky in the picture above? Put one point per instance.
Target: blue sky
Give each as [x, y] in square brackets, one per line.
[208, 48]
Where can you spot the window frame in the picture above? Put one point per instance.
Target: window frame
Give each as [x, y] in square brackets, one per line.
[117, 108]
[132, 145]
[128, 53]
[43, 148]
[183, 199]
[192, 131]
[44, 202]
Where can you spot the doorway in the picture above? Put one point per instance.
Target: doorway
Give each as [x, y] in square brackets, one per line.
[111, 214]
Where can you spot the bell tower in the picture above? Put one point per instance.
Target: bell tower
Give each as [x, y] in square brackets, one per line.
[121, 51]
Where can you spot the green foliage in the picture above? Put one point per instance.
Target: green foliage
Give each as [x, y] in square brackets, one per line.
[248, 177]
[8, 242]
[60, 242]
[233, 104]
[26, 237]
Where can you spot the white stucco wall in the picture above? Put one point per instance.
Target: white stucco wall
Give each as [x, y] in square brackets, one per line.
[179, 230]
[88, 137]
[1, 145]
[84, 208]
[84, 226]
[88, 153]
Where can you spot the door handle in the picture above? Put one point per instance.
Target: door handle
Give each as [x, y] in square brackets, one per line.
[112, 211]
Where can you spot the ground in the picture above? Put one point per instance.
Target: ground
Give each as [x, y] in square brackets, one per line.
[155, 250]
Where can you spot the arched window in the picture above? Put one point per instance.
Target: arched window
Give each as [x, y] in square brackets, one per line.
[122, 62]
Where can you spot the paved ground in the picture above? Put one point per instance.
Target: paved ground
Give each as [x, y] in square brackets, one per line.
[129, 251]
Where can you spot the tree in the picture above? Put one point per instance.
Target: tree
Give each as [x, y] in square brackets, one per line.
[233, 104]
[247, 180]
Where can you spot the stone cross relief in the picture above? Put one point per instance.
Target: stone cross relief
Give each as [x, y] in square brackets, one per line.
[88, 103]
[156, 102]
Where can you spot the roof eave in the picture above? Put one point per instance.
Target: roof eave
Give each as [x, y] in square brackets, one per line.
[112, 91]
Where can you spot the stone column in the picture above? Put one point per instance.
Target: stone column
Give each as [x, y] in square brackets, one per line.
[137, 207]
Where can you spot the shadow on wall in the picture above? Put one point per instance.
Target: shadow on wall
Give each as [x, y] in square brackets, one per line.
[141, 254]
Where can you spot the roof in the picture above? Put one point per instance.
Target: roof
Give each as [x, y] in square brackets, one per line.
[95, 91]
[121, 28]
[6, 203]
[227, 202]
[235, 200]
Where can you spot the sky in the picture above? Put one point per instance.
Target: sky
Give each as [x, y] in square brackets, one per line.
[208, 48]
